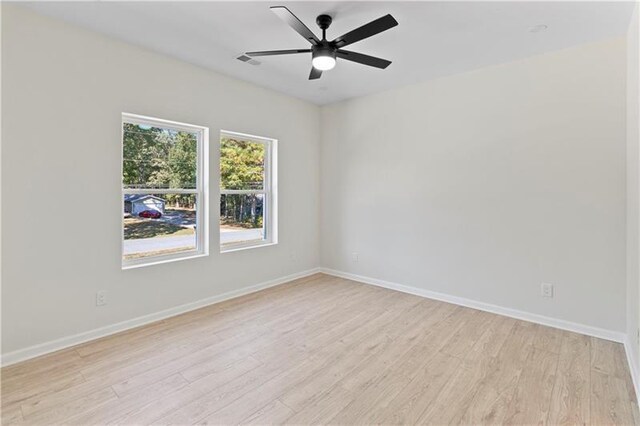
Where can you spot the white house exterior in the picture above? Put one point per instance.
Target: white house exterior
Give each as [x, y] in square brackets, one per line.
[136, 203]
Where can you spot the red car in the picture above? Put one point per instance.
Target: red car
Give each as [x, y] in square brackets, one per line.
[150, 214]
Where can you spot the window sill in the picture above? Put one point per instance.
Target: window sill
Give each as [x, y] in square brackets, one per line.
[241, 247]
[159, 261]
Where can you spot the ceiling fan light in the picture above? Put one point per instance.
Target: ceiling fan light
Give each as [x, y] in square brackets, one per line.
[323, 63]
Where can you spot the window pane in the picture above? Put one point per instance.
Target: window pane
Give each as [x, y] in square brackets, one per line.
[241, 218]
[156, 224]
[241, 164]
[155, 157]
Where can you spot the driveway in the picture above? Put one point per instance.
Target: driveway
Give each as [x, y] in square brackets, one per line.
[143, 245]
[232, 235]
[176, 217]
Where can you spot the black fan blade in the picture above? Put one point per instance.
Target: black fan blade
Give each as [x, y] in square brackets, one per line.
[372, 61]
[292, 20]
[277, 52]
[314, 74]
[365, 31]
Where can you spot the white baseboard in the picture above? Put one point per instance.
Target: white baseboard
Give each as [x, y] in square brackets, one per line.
[615, 336]
[65, 342]
[631, 357]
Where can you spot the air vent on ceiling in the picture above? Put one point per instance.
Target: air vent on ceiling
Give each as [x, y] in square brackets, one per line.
[247, 59]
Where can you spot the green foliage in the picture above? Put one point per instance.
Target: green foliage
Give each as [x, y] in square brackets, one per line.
[160, 158]
[241, 167]
[245, 210]
[241, 164]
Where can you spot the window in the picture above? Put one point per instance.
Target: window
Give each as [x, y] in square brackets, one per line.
[248, 202]
[164, 191]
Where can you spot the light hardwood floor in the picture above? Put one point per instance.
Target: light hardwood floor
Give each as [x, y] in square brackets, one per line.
[331, 351]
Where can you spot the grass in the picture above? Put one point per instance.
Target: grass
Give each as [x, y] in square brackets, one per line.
[136, 228]
[232, 227]
[232, 224]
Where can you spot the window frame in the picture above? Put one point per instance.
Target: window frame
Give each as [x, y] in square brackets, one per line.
[269, 191]
[201, 191]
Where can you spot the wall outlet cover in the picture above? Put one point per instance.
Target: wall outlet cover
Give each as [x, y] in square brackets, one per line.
[546, 290]
[101, 298]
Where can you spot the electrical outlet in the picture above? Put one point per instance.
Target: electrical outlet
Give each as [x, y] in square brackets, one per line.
[101, 298]
[354, 257]
[546, 290]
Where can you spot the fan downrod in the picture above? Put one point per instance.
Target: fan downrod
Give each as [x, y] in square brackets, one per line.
[324, 21]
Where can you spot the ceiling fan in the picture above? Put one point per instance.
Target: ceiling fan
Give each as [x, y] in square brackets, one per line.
[324, 52]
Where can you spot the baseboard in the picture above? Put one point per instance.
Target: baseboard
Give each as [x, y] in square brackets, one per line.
[631, 357]
[482, 306]
[65, 342]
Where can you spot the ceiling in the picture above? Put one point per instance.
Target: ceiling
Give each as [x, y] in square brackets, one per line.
[433, 39]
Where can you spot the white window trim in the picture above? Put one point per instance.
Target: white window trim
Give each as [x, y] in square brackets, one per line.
[202, 191]
[269, 190]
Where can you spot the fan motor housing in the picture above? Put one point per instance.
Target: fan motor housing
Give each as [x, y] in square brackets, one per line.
[323, 49]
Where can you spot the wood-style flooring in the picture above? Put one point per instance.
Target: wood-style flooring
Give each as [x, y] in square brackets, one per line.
[324, 350]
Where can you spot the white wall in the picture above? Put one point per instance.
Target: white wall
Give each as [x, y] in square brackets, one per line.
[633, 191]
[485, 184]
[64, 90]
[480, 185]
